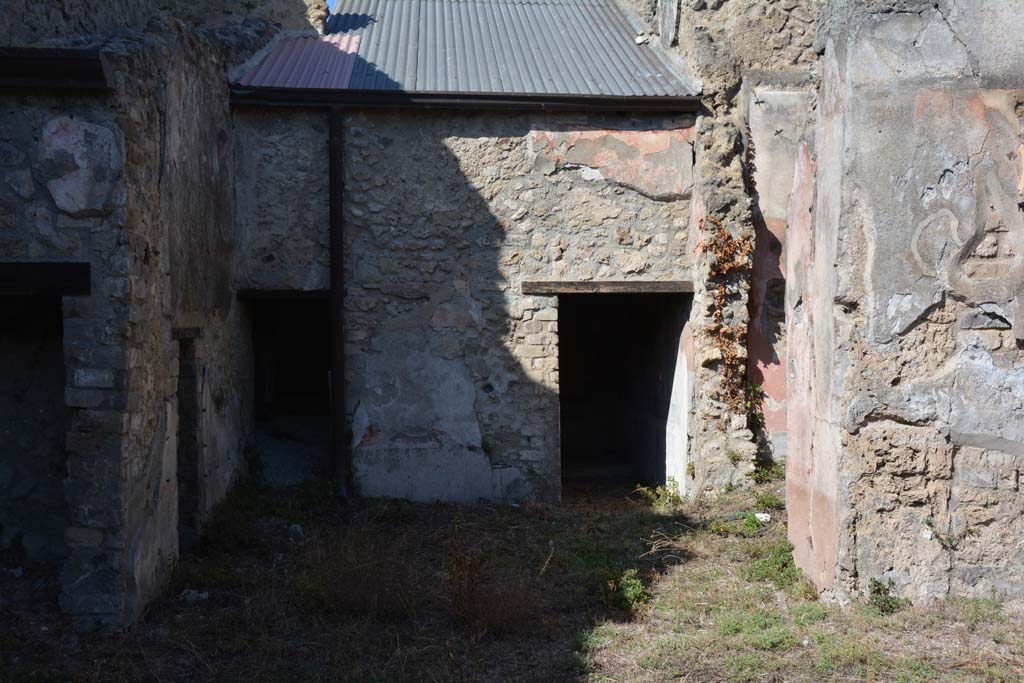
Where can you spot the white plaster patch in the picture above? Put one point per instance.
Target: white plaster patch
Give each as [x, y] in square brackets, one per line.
[423, 475]
[83, 162]
[677, 426]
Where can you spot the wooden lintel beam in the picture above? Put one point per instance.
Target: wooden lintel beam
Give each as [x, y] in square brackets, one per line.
[554, 288]
[45, 279]
[281, 294]
[35, 68]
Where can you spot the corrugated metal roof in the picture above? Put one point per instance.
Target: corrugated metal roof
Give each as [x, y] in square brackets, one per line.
[501, 47]
[321, 63]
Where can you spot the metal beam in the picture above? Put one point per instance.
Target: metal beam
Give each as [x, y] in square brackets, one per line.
[386, 99]
[339, 465]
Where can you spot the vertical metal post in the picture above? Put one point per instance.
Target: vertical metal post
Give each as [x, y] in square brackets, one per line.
[339, 463]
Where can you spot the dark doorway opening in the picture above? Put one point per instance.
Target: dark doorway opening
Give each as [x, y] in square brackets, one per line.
[189, 444]
[33, 428]
[617, 355]
[292, 401]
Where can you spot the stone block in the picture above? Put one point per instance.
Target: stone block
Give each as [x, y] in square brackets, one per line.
[527, 351]
[94, 378]
[107, 421]
[10, 155]
[532, 456]
[80, 537]
[538, 339]
[20, 183]
[83, 398]
[534, 326]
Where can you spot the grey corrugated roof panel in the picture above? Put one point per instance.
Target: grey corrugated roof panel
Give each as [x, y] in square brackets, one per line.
[558, 47]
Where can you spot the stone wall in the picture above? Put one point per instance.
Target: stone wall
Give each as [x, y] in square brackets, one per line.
[911, 296]
[453, 371]
[282, 201]
[772, 36]
[757, 35]
[63, 199]
[180, 246]
[29, 22]
[755, 60]
[136, 183]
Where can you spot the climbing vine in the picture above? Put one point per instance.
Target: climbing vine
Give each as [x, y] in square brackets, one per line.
[730, 260]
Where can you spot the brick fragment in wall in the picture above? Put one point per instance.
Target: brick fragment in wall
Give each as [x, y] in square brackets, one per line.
[94, 378]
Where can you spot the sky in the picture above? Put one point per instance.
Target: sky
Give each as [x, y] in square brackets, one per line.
[330, 5]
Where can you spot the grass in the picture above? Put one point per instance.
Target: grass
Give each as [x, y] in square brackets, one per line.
[882, 597]
[665, 498]
[773, 563]
[768, 500]
[627, 591]
[610, 588]
[767, 471]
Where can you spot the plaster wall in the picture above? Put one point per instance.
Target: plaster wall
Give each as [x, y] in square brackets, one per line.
[778, 122]
[919, 233]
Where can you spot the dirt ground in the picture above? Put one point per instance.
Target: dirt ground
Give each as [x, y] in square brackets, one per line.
[611, 585]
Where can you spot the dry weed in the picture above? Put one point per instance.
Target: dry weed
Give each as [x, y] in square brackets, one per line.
[486, 598]
[363, 571]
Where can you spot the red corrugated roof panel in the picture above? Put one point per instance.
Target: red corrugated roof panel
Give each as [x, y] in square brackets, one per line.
[310, 63]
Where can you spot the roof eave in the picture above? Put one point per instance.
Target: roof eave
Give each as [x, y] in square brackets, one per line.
[383, 99]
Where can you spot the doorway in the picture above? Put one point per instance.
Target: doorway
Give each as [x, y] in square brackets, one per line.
[190, 446]
[617, 361]
[292, 401]
[33, 426]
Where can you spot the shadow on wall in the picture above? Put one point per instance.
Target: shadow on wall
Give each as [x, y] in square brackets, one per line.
[442, 408]
[452, 372]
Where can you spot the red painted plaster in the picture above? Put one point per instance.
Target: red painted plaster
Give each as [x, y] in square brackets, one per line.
[811, 463]
[656, 162]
